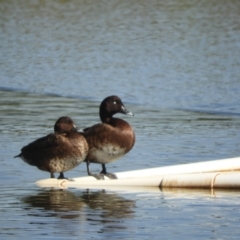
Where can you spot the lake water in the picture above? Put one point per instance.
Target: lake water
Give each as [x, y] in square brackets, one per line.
[175, 64]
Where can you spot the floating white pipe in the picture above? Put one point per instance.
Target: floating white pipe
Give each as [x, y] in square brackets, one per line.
[194, 175]
[231, 164]
[201, 180]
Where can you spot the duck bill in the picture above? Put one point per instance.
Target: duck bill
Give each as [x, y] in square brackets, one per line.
[125, 111]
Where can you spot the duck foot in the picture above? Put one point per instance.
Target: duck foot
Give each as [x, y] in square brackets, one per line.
[97, 176]
[109, 175]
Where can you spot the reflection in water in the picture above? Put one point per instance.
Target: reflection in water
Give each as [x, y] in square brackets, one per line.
[199, 192]
[109, 211]
[66, 204]
[112, 204]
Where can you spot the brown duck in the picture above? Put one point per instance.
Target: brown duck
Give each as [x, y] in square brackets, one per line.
[111, 139]
[59, 151]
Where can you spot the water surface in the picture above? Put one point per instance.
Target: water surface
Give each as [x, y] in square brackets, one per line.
[175, 64]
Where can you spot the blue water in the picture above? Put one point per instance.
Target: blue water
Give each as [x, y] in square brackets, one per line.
[175, 64]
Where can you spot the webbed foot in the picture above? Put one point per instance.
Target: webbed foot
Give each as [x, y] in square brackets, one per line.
[104, 172]
[109, 175]
[97, 176]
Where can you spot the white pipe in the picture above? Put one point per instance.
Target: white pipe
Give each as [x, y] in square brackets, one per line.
[231, 164]
[202, 180]
[194, 175]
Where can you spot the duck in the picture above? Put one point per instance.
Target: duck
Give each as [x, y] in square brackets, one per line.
[111, 139]
[57, 152]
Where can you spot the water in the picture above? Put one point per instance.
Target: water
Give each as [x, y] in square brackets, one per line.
[175, 64]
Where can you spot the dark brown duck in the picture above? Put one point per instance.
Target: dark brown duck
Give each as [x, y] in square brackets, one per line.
[111, 139]
[59, 151]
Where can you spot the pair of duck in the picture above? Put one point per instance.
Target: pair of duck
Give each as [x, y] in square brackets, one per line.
[66, 148]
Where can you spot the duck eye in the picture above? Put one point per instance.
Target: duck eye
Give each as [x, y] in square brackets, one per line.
[114, 102]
